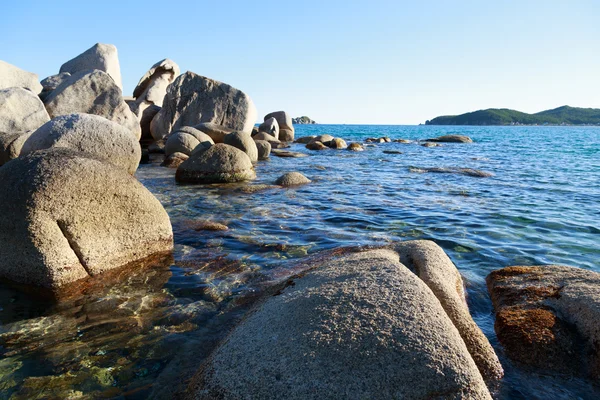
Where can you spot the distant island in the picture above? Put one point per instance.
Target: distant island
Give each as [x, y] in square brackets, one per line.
[304, 120]
[564, 115]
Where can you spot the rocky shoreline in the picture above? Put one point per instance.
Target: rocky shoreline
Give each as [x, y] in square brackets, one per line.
[397, 317]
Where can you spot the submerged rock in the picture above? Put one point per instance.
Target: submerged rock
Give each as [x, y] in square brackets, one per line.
[453, 170]
[12, 76]
[392, 152]
[337, 143]
[355, 147]
[358, 323]
[405, 141]
[21, 111]
[452, 139]
[100, 56]
[289, 154]
[220, 163]
[316, 145]
[549, 317]
[292, 179]
[74, 216]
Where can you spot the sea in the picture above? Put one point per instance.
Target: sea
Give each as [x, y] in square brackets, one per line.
[145, 334]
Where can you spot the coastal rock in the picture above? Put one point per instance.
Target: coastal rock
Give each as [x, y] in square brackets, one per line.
[354, 315]
[74, 216]
[103, 57]
[271, 127]
[192, 99]
[255, 131]
[92, 92]
[220, 163]
[355, 147]
[174, 160]
[304, 120]
[157, 148]
[549, 317]
[216, 132]
[452, 139]
[287, 154]
[375, 140]
[431, 144]
[337, 143]
[21, 111]
[265, 136]
[12, 76]
[52, 82]
[292, 179]
[453, 170]
[324, 138]
[305, 139]
[286, 127]
[430, 263]
[90, 134]
[386, 139]
[404, 141]
[264, 149]
[145, 122]
[244, 142]
[11, 145]
[316, 145]
[180, 142]
[391, 152]
[152, 87]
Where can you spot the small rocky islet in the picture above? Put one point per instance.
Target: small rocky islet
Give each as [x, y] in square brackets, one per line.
[76, 220]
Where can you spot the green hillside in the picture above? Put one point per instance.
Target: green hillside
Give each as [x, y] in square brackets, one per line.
[504, 116]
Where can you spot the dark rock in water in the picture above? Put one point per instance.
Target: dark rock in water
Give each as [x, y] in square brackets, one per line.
[305, 139]
[304, 120]
[208, 226]
[392, 152]
[355, 147]
[145, 158]
[316, 145]
[280, 145]
[402, 141]
[452, 139]
[174, 160]
[353, 315]
[220, 163]
[292, 179]
[549, 317]
[157, 148]
[375, 140]
[284, 153]
[337, 143]
[430, 144]
[453, 170]
[250, 189]
[386, 139]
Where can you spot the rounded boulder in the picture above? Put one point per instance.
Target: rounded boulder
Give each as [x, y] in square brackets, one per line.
[244, 142]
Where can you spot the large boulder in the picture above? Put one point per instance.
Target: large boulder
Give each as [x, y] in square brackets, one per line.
[271, 127]
[11, 76]
[355, 147]
[185, 141]
[103, 57]
[215, 131]
[548, 317]
[292, 179]
[452, 139]
[21, 111]
[192, 99]
[152, 87]
[244, 142]
[357, 326]
[219, 163]
[264, 149]
[286, 127]
[92, 92]
[11, 145]
[316, 145]
[337, 143]
[145, 123]
[52, 82]
[90, 134]
[305, 139]
[70, 216]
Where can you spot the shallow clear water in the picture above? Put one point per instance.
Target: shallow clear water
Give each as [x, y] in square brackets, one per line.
[133, 339]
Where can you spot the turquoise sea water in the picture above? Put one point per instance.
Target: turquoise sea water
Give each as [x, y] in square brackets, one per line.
[133, 339]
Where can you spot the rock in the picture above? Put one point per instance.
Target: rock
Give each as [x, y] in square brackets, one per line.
[157, 148]
[145, 121]
[21, 111]
[11, 145]
[92, 93]
[305, 139]
[392, 152]
[180, 142]
[292, 179]
[220, 163]
[452, 139]
[209, 226]
[244, 142]
[201, 147]
[316, 145]
[355, 147]
[453, 170]
[75, 216]
[430, 263]
[279, 145]
[288, 154]
[11, 76]
[324, 138]
[385, 139]
[174, 160]
[89, 134]
[192, 99]
[286, 127]
[265, 136]
[216, 132]
[304, 120]
[264, 149]
[337, 143]
[402, 141]
[100, 56]
[145, 158]
[375, 140]
[255, 131]
[152, 87]
[430, 144]
[271, 127]
[52, 82]
[548, 317]
[354, 315]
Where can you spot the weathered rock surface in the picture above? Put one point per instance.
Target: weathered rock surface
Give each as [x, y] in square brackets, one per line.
[152, 87]
[430, 263]
[71, 216]
[337, 143]
[287, 154]
[305, 139]
[452, 170]
[215, 131]
[174, 160]
[316, 145]
[549, 317]
[452, 139]
[95, 93]
[324, 138]
[360, 325]
[265, 136]
[292, 179]
[145, 122]
[355, 147]
[220, 163]
[103, 57]
[11, 145]
[264, 149]
[52, 82]
[185, 141]
[270, 126]
[21, 111]
[286, 127]
[12, 76]
[244, 142]
[192, 99]
[90, 134]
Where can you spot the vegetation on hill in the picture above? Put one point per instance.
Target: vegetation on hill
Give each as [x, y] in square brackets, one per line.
[564, 115]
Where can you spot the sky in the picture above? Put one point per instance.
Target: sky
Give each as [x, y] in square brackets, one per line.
[346, 62]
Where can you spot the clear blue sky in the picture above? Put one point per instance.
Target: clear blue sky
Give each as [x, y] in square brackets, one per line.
[379, 62]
